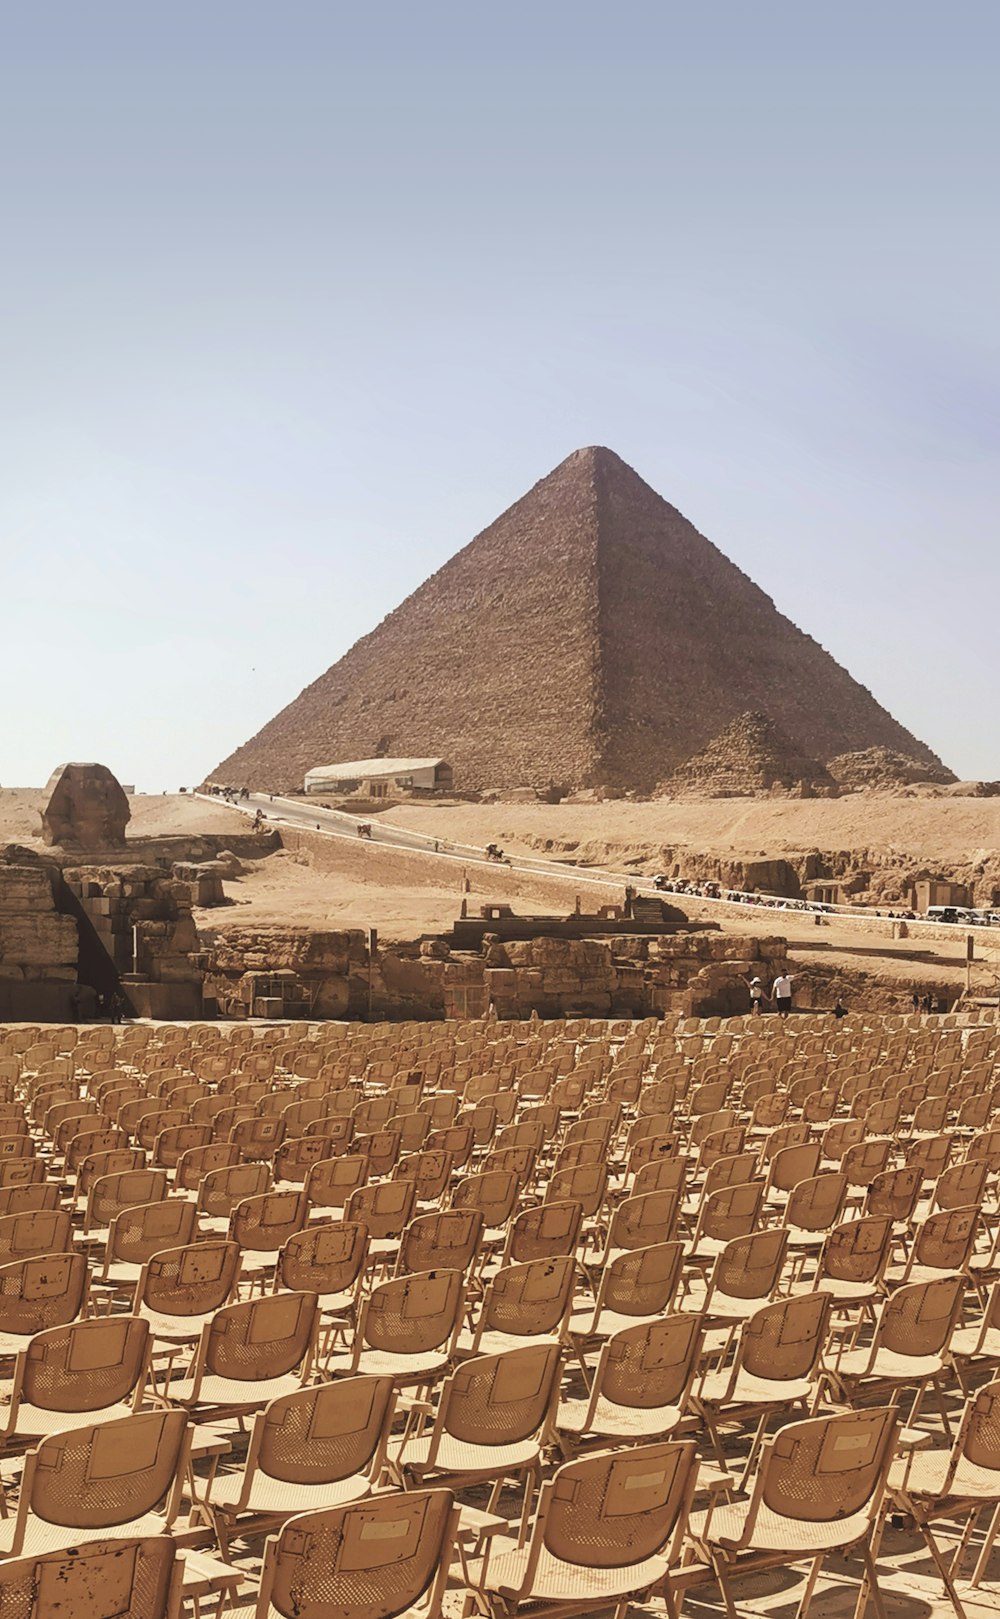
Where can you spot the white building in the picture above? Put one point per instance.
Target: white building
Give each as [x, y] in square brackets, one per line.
[380, 778]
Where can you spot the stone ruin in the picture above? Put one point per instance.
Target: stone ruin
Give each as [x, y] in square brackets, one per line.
[85, 808]
[753, 756]
[884, 770]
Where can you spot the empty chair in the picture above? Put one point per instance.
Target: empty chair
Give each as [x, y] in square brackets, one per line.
[548, 1231]
[179, 1289]
[296, 1157]
[641, 1386]
[334, 1561]
[220, 1190]
[71, 1375]
[173, 1142]
[852, 1261]
[894, 1193]
[942, 1245]
[731, 1211]
[746, 1274]
[110, 1194]
[956, 1483]
[25, 1199]
[909, 1345]
[776, 1366]
[864, 1161]
[328, 1260]
[449, 1240]
[263, 1224]
[249, 1353]
[494, 1193]
[818, 1490]
[491, 1422]
[406, 1328]
[638, 1285]
[196, 1162]
[790, 1166]
[319, 1447]
[522, 1303]
[330, 1181]
[119, 1477]
[46, 1291]
[608, 1528]
[385, 1207]
[814, 1206]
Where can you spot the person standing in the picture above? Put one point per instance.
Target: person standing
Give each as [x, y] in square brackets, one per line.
[781, 990]
[756, 996]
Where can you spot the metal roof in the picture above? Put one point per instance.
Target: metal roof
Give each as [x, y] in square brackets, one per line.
[376, 767]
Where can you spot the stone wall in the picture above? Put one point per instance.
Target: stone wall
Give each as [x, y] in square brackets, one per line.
[39, 948]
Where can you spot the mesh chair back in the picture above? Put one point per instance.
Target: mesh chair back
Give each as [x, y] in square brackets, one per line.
[918, 1318]
[190, 1280]
[42, 1292]
[642, 1281]
[110, 1473]
[493, 1192]
[385, 1207]
[530, 1299]
[84, 1366]
[323, 1434]
[828, 1468]
[260, 1338]
[37, 1231]
[652, 1364]
[782, 1342]
[441, 1241]
[109, 1194]
[856, 1250]
[140, 1232]
[749, 1267]
[262, 1224]
[617, 1508]
[126, 1579]
[411, 1315]
[545, 1232]
[325, 1258]
[220, 1190]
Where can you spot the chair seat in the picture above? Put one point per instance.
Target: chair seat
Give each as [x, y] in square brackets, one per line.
[556, 1581]
[232, 1391]
[966, 1343]
[752, 1390]
[774, 1532]
[460, 1456]
[175, 1328]
[723, 1307]
[497, 1343]
[40, 1536]
[927, 1471]
[384, 1363]
[887, 1363]
[613, 1421]
[36, 1421]
[582, 1324]
[269, 1494]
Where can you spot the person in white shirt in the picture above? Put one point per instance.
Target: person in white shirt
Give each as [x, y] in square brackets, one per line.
[781, 990]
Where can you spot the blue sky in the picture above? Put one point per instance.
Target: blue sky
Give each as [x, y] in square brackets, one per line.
[297, 299]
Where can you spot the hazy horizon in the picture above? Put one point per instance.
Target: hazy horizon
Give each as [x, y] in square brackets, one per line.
[298, 304]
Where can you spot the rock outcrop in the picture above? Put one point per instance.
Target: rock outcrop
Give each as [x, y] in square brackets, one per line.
[882, 769]
[751, 757]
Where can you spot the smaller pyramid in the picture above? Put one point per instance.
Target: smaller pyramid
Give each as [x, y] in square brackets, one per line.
[751, 758]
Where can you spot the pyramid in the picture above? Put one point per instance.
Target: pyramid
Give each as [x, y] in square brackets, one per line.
[589, 637]
[750, 757]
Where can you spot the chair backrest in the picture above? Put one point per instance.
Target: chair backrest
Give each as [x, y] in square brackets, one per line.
[641, 1281]
[322, 1434]
[220, 1190]
[732, 1211]
[794, 1164]
[331, 1180]
[37, 1231]
[324, 1258]
[33, 1195]
[815, 1204]
[585, 1184]
[109, 1473]
[499, 1399]
[978, 1440]
[262, 1224]
[862, 1162]
[856, 1250]
[917, 1320]
[109, 1194]
[961, 1185]
[642, 1221]
[42, 1292]
[944, 1240]
[411, 1315]
[449, 1241]
[492, 1191]
[385, 1207]
[430, 1171]
[529, 1299]
[827, 1468]
[197, 1162]
[618, 1508]
[782, 1342]
[651, 1364]
[749, 1267]
[545, 1232]
[129, 1579]
[894, 1193]
[259, 1338]
[83, 1366]
[334, 1561]
[190, 1280]
[145, 1229]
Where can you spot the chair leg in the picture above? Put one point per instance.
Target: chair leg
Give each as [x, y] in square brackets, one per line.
[719, 1565]
[984, 1556]
[811, 1578]
[869, 1582]
[943, 1570]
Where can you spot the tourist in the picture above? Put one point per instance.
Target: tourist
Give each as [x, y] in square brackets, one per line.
[781, 992]
[756, 996]
[840, 1010]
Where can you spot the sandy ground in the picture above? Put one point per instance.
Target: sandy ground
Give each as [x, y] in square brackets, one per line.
[924, 827]
[153, 816]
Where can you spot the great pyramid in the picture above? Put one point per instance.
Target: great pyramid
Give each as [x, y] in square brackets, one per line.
[589, 637]
[750, 757]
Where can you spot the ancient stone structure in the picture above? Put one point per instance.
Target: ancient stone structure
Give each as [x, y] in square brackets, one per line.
[885, 770]
[38, 946]
[752, 756]
[85, 808]
[590, 636]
